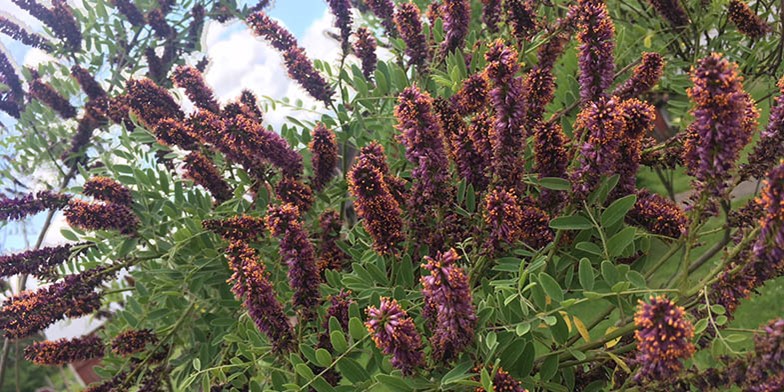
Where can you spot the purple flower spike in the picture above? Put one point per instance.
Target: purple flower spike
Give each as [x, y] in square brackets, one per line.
[395, 334]
[663, 338]
[64, 351]
[409, 25]
[597, 43]
[457, 19]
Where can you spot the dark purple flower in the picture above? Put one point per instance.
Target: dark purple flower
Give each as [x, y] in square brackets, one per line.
[479, 132]
[365, 49]
[192, 81]
[18, 33]
[724, 120]
[448, 305]
[299, 66]
[491, 14]
[64, 351]
[421, 134]
[600, 127]
[395, 334]
[550, 160]
[503, 382]
[151, 103]
[45, 93]
[324, 156]
[101, 216]
[379, 211]
[250, 104]
[503, 218]
[203, 172]
[472, 95]
[290, 190]
[330, 256]
[409, 25]
[195, 29]
[80, 140]
[672, 11]
[338, 308]
[535, 226]
[252, 285]
[32, 311]
[663, 338]
[457, 20]
[265, 145]
[373, 153]
[770, 147]
[769, 248]
[658, 215]
[507, 98]
[156, 69]
[746, 20]
[540, 82]
[37, 262]
[643, 78]
[384, 11]
[298, 253]
[342, 11]
[638, 122]
[108, 190]
[521, 15]
[766, 368]
[90, 86]
[30, 204]
[130, 11]
[172, 132]
[64, 25]
[243, 228]
[132, 341]
[157, 20]
[470, 163]
[9, 77]
[597, 44]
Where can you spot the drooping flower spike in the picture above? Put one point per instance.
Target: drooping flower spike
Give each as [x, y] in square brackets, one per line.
[30, 204]
[87, 81]
[59, 18]
[365, 49]
[409, 26]
[643, 78]
[101, 216]
[190, 79]
[108, 190]
[37, 262]
[132, 341]
[746, 20]
[672, 11]
[64, 351]
[658, 215]
[45, 93]
[151, 103]
[324, 156]
[203, 172]
[244, 228]
[18, 33]
[663, 338]
[395, 334]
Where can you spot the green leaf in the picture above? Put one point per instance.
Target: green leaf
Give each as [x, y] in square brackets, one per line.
[555, 183]
[586, 275]
[486, 380]
[491, 340]
[549, 368]
[620, 241]
[589, 247]
[551, 287]
[573, 222]
[356, 329]
[700, 326]
[338, 340]
[637, 279]
[197, 364]
[609, 272]
[522, 329]
[459, 372]
[352, 370]
[394, 383]
[617, 210]
[323, 357]
[304, 371]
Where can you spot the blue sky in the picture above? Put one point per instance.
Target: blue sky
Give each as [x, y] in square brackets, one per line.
[297, 14]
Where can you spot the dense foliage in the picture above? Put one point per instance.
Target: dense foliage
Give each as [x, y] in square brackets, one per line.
[465, 214]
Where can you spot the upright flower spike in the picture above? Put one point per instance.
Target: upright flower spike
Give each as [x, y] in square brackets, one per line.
[87, 81]
[373, 153]
[32, 311]
[31, 204]
[64, 25]
[45, 93]
[330, 256]
[766, 368]
[600, 124]
[251, 284]
[503, 218]
[643, 78]
[9, 77]
[663, 338]
[409, 25]
[132, 341]
[37, 262]
[195, 28]
[535, 227]
[324, 156]
[672, 11]
[470, 163]
[18, 33]
[108, 190]
[507, 98]
[80, 140]
[658, 215]
[131, 12]
[448, 305]
[769, 248]
[236, 144]
[365, 49]
[384, 11]
[101, 216]
[597, 43]
[151, 103]
[746, 20]
[540, 82]
[479, 132]
[157, 20]
[341, 9]
[724, 120]
[491, 14]
[550, 160]
[457, 19]
[521, 15]
[297, 252]
[472, 95]
[420, 133]
[395, 334]
[770, 147]
[380, 213]
[64, 351]
[299, 67]
[190, 79]
[291, 191]
[244, 228]
[203, 172]
[638, 122]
